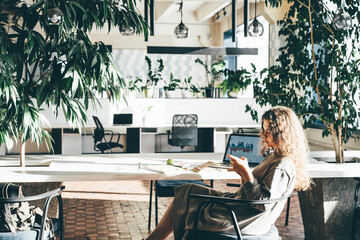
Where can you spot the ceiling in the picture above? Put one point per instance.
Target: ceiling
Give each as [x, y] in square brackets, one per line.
[194, 11]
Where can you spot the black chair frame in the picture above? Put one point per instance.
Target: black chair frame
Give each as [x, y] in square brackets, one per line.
[208, 199]
[99, 136]
[48, 196]
[153, 183]
[287, 205]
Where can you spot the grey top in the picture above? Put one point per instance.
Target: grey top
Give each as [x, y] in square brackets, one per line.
[274, 177]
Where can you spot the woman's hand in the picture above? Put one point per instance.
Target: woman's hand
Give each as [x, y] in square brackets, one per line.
[241, 167]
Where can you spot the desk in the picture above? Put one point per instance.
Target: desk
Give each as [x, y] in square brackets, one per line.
[107, 167]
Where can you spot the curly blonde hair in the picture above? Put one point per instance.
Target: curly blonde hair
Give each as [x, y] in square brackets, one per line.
[290, 141]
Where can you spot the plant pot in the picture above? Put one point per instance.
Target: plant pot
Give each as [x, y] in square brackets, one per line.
[170, 94]
[198, 95]
[209, 92]
[148, 92]
[233, 94]
[187, 94]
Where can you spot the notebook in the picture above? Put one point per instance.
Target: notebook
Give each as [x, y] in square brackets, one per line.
[241, 145]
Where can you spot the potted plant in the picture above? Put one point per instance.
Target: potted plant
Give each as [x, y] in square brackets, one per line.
[186, 88]
[318, 75]
[133, 86]
[153, 77]
[235, 81]
[213, 73]
[50, 60]
[171, 86]
[196, 90]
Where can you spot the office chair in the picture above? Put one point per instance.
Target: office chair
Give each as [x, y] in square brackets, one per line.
[165, 188]
[272, 234]
[356, 214]
[100, 142]
[184, 130]
[38, 231]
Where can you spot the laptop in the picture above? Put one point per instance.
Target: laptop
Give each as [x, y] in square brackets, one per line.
[240, 145]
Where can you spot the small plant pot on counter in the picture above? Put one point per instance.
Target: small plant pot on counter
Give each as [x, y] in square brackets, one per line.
[187, 94]
[171, 94]
[233, 94]
[148, 92]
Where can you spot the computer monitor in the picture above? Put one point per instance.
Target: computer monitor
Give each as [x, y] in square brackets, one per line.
[240, 145]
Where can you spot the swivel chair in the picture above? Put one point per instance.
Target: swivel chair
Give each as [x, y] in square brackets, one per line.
[272, 234]
[100, 142]
[39, 231]
[356, 214]
[184, 131]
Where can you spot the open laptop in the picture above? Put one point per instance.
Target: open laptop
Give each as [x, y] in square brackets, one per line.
[241, 145]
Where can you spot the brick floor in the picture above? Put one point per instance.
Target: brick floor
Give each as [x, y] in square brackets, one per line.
[119, 210]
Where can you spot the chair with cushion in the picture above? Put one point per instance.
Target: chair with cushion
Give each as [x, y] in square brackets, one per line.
[184, 130]
[42, 228]
[165, 188]
[100, 142]
[356, 214]
[272, 234]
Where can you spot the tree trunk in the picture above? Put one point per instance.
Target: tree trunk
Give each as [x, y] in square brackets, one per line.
[338, 145]
[22, 154]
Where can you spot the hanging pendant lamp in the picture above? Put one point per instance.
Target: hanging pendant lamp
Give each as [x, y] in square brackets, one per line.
[342, 20]
[181, 31]
[127, 30]
[255, 29]
[54, 16]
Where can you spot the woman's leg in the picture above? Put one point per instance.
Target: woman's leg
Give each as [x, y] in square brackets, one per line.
[165, 226]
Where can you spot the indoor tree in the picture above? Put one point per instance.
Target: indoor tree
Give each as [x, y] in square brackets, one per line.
[318, 70]
[48, 60]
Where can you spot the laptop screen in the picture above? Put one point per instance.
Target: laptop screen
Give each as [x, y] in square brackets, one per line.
[244, 146]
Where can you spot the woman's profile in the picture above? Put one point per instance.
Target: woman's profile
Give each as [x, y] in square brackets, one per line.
[281, 171]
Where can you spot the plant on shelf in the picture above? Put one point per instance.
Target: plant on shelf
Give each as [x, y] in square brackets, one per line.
[196, 90]
[186, 88]
[318, 70]
[236, 81]
[171, 86]
[133, 85]
[48, 61]
[154, 75]
[213, 73]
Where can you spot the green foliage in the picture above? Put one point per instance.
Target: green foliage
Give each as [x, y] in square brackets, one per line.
[133, 84]
[172, 84]
[236, 81]
[215, 71]
[154, 75]
[186, 83]
[318, 72]
[55, 66]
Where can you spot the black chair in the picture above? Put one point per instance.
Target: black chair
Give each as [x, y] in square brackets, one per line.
[272, 234]
[100, 141]
[356, 214]
[38, 232]
[287, 205]
[184, 130]
[165, 188]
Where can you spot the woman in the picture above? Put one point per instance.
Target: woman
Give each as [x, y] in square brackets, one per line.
[281, 171]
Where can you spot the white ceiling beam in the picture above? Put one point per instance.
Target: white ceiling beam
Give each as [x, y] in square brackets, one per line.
[209, 9]
[162, 9]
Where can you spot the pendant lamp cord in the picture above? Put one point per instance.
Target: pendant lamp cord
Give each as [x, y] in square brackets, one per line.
[180, 9]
